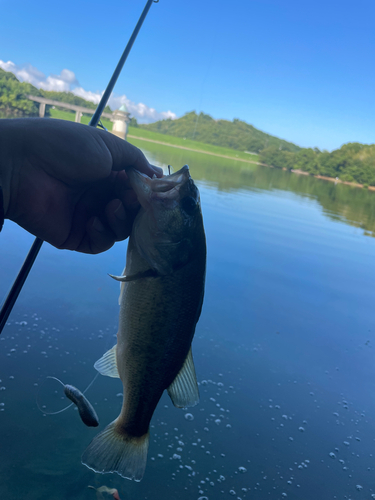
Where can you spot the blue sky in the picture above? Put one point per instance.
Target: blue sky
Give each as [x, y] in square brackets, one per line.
[303, 71]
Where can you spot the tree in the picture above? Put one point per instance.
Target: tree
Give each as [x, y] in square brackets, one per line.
[13, 97]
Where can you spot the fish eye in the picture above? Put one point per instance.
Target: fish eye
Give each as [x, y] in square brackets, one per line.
[188, 204]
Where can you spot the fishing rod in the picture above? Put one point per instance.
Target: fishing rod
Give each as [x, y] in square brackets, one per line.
[36, 246]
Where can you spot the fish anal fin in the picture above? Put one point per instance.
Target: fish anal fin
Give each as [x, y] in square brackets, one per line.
[114, 451]
[107, 364]
[183, 391]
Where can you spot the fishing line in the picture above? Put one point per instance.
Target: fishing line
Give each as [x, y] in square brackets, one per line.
[64, 385]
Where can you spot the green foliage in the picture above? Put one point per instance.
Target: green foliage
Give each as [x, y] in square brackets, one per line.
[237, 135]
[13, 100]
[133, 122]
[353, 162]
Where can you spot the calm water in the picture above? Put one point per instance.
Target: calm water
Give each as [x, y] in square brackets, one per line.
[283, 351]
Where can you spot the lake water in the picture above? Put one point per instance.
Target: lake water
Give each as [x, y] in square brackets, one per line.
[283, 350]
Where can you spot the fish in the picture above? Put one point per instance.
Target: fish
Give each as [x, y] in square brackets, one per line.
[162, 289]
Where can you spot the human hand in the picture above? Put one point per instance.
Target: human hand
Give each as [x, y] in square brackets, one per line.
[66, 183]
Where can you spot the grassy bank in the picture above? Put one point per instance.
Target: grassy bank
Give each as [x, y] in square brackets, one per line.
[191, 145]
[140, 134]
[71, 116]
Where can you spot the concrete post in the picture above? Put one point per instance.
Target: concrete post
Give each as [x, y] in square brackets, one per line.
[42, 109]
[78, 117]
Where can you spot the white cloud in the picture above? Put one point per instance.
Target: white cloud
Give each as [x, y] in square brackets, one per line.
[66, 81]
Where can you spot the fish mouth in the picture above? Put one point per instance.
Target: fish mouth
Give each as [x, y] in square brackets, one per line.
[166, 187]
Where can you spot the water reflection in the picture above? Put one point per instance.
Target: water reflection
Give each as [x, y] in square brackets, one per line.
[338, 201]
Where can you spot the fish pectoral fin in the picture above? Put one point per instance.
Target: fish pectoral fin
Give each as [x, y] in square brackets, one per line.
[183, 391]
[150, 273]
[122, 286]
[107, 364]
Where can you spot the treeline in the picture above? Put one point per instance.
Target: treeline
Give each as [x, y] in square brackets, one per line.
[353, 162]
[235, 135]
[14, 102]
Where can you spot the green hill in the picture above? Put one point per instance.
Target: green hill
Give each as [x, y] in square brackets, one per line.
[237, 134]
[14, 102]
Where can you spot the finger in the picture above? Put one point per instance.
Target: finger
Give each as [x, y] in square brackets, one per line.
[119, 219]
[97, 239]
[125, 155]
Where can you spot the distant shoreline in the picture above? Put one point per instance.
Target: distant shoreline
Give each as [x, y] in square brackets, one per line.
[294, 171]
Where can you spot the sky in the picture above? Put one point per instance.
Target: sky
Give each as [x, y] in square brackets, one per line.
[303, 71]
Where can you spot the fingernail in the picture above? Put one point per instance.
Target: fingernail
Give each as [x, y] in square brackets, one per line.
[97, 225]
[120, 212]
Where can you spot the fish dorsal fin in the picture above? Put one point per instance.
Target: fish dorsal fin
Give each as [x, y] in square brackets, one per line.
[183, 391]
[107, 364]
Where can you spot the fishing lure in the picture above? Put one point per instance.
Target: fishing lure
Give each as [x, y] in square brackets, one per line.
[85, 409]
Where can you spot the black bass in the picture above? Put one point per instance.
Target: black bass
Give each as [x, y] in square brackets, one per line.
[160, 303]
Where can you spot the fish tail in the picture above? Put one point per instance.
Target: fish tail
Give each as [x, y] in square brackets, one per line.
[113, 450]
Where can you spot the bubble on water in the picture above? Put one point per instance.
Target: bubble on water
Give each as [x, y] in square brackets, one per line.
[119, 395]
[228, 426]
[189, 416]
[284, 417]
[217, 421]
[206, 429]
[2, 388]
[242, 469]
[188, 467]
[176, 457]
[290, 438]
[284, 495]
[160, 455]
[332, 455]
[346, 443]
[358, 487]
[232, 492]
[204, 382]
[357, 439]
[203, 498]
[23, 323]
